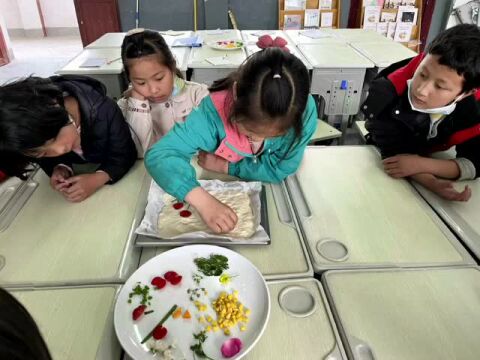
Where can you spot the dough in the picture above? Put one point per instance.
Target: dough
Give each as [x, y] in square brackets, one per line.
[171, 224]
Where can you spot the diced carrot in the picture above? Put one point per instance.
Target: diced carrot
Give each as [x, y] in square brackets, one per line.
[177, 313]
[186, 315]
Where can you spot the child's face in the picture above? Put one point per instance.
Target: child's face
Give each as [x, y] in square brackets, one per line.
[435, 85]
[151, 79]
[259, 133]
[63, 143]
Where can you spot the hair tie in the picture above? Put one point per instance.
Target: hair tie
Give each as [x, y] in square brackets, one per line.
[277, 76]
[266, 41]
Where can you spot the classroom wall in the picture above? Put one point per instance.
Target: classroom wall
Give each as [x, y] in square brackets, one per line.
[23, 19]
[6, 37]
[11, 14]
[60, 17]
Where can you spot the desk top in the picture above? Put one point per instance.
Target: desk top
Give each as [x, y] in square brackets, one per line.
[53, 241]
[334, 56]
[407, 314]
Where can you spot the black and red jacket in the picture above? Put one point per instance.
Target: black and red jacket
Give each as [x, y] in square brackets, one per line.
[397, 129]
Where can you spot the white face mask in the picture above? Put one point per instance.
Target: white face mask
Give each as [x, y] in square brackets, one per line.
[444, 110]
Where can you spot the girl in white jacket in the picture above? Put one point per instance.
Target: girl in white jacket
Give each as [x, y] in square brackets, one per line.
[158, 96]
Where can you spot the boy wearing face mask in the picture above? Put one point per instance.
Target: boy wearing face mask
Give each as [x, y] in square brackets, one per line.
[429, 104]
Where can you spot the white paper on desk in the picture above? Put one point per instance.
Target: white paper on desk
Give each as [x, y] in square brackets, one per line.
[263, 32]
[192, 41]
[218, 60]
[215, 32]
[155, 204]
[312, 18]
[93, 62]
[316, 34]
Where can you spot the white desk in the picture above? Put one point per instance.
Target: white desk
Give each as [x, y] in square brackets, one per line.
[314, 336]
[170, 36]
[110, 74]
[286, 256]
[115, 39]
[338, 75]
[354, 215]
[181, 55]
[205, 72]
[325, 36]
[417, 314]
[54, 242]
[250, 37]
[252, 49]
[218, 35]
[108, 40]
[75, 322]
[383, 54]
[462, 217]
[325, 131]
[360, 35]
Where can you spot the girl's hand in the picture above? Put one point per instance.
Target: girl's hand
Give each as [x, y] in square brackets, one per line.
[136, 95]
[219, 217]
[131, 93]
[212, 162]
[58, 180]
[82, 186]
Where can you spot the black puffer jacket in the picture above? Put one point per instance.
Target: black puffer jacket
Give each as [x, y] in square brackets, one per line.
[397, 129]
[105, 135]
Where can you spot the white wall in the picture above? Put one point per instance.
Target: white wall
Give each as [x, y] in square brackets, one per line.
[29, 13]
[58, 13]
[3, 26]
[11, 14]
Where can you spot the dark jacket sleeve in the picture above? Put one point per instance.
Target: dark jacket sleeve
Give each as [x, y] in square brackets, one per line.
[48, 164]
[471, 150]
[121, 152]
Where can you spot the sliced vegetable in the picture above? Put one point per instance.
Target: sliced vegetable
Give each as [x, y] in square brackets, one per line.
[159, 282]
[177, 313]
[170, 274]
[138, 312]
[175, 280]
[185, 213]
[231, 347]
[167, 315]
[159, 332]
[187, 315]
[178, 206]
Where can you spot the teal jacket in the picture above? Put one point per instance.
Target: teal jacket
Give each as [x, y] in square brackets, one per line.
[168, 161]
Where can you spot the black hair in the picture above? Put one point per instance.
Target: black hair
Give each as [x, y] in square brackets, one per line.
[20, 338]
[146, 43]
[272, 89]
[459, 48]
[31, 113]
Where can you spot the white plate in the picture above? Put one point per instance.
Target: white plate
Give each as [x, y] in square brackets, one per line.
[253, 293]
[220, 44]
